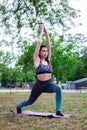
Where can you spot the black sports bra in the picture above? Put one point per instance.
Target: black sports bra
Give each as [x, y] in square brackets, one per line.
[41, 69]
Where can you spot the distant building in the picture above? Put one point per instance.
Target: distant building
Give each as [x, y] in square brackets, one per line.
[81, 83]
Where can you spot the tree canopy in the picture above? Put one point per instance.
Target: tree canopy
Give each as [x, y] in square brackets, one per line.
[17, 15]
[19, 22]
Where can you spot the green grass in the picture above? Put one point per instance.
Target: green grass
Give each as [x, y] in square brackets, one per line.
[45, 103]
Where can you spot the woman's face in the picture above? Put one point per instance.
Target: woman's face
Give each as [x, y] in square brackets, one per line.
[43, 52]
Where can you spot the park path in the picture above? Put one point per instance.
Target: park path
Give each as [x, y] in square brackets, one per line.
[28, 90]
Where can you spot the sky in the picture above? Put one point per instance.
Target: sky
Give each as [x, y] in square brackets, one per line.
[78, 5]
[82, 6]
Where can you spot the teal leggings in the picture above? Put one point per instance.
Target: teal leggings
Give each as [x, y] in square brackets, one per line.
[46, 87]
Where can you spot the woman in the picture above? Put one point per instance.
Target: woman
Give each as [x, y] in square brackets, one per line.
[43, 73]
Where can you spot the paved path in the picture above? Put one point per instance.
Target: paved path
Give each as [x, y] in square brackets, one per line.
[14, 90]
[28, 90]
[75, 91]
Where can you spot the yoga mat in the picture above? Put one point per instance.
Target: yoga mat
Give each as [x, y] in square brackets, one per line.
[44, 114]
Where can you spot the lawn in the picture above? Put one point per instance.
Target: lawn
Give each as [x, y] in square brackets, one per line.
[46, 103]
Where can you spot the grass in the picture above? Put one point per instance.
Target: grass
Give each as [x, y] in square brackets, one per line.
[46, 103]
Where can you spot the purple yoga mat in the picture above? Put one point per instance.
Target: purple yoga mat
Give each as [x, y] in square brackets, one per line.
[45, 114]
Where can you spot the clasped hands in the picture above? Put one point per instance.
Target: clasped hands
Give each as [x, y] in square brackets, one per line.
[43, 28]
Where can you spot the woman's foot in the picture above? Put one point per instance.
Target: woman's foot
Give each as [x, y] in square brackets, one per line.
[59, 113]
[18, 110]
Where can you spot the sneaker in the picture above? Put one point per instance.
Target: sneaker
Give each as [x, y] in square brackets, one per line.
[59, 113]
[18, 110]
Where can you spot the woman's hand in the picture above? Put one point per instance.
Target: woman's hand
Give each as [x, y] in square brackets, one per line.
[45, 30]
[42, 27]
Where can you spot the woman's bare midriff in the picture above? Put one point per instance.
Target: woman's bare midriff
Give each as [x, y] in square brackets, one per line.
[44, 77]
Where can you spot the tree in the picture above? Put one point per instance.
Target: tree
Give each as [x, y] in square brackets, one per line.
[64, 59]
[17, 15]
[5, 71]
[84, 60]
[25, 61]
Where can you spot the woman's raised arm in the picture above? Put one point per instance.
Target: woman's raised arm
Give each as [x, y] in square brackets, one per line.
[48, 43]
[36, 53]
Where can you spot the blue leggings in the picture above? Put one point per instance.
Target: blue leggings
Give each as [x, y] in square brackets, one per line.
[40, 87]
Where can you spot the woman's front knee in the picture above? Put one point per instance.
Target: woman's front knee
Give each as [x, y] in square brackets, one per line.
[59, 89]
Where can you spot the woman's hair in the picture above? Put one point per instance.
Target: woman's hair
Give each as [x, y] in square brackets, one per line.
[42, 47]
[47, 56]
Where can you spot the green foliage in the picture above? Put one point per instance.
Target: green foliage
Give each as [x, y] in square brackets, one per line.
[5, 60]
[18, 14]
[25, 61]
[84, 60]
[66, 63]
[65, 60]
